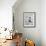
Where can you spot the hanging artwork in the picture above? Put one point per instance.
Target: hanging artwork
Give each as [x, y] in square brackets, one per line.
[29, 19]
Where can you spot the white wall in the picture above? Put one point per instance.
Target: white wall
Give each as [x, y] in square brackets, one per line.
[43, 22]
[6, 13]
[30, 33]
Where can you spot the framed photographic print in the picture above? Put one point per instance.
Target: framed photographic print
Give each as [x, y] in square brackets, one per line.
[29, 19]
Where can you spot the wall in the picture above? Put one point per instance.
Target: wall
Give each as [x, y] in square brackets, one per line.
[29, 33]
[43, 22]
[6, 13]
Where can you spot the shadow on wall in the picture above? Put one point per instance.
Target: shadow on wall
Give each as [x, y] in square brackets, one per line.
[28, 6]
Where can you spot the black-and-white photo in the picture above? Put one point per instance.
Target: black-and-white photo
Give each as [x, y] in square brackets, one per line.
[29, 19]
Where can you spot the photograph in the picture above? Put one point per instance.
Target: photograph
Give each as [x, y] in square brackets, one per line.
[29, 19]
